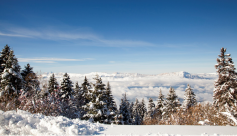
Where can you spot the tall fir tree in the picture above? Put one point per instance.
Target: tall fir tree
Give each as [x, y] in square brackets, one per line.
[151, 107]
[96, 107]
[30, 80]
[143, 109]
[124, 110]
[52, 85]
[171, 103]
[110, 105]
[11, 81]
[86, 86]
[189, 98]
[4, 57]
[137, 118]
[225, 91]
[160, 104]
[67, 96]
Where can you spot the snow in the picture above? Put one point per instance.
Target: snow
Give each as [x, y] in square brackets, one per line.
[25, 123]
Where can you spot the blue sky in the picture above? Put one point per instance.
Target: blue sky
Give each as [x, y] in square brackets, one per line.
[148, 37]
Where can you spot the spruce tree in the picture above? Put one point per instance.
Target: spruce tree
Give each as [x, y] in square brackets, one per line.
[4, 57]
[143, 109]
[96, 107]
[160, 104]
[124, 110]
[67, 96]
[137, 118]
[110, 104]
[189, 98]
[85, 90]
[150, 110]
[171, 102]
[30, 80]
[11, 81]
[225, 91]
[52, 85]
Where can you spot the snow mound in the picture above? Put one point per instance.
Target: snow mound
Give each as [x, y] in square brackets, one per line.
[25, 123]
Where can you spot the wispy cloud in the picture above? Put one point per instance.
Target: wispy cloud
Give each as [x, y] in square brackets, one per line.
[50, 60]
[72, 36]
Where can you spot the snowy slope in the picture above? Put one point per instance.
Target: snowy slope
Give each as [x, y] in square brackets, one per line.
[24, 123]
[148, 86]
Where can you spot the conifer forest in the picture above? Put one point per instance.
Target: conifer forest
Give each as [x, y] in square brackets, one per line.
[22, 89]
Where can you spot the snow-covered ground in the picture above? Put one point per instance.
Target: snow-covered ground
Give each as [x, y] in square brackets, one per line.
[24, 123]
[148, 86]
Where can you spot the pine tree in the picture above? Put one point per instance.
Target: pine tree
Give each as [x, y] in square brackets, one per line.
[4, 57]
[143, 109]
[137, 118]
[225, 91]
[124, 110]
[30, 79]
[96, 106]
[189, 98]
[53, 85]
[11, 81]
[160, 104]
[85, 90]
[67, 96]
[151, 107]
[110, 105]
[171, 102]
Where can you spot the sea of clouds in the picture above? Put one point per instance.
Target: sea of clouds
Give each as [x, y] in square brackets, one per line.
[148, 86]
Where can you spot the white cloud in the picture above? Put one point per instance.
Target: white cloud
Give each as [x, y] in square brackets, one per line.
[49, 60]
[89, 38]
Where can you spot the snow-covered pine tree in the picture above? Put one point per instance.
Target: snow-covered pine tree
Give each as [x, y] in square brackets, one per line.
[4, 57]
[137, 118]
[30, 80]
[85, 90]
[189, 98]
[67, 96]
[52, 85]
[124, 110]
[171, 102]
[150, 110]
[143, 109]
[160, 104]
[131, 109]
[96, 106]
[225, 91]
[11, 82]
[79, 100]
[110, 105]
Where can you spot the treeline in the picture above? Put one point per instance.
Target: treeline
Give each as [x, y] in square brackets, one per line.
[23, 89]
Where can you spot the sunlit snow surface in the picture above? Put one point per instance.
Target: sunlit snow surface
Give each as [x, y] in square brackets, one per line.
[24, 123]
[147, 86]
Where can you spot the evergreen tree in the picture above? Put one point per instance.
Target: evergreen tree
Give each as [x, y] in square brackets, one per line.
[137, 118]
[4, 57]
[124, 110]
[11, 81]
[143, 109]
[66, 95]
[96, 107]
[30, 79]
[160, 104]
[151, 107]
[189, 98]
[110, 105]
[171, 102]
[85, 90]
[53, 84]
[225, 91]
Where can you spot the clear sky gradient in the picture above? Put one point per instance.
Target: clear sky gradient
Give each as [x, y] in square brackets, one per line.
[132, 36]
